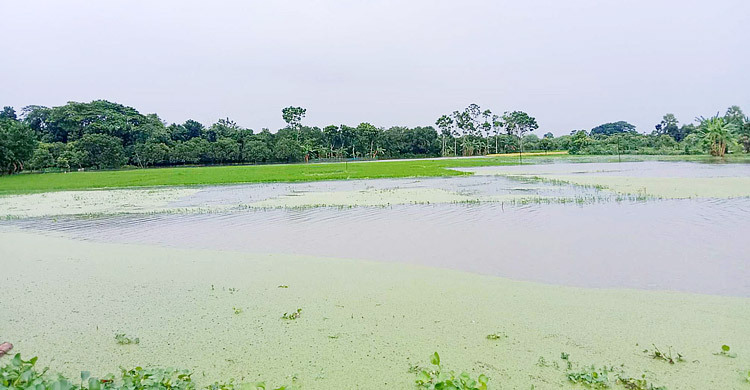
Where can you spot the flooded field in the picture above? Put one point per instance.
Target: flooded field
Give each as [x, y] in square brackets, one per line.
[599, 261]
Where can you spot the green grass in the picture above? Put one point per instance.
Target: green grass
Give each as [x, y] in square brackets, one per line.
[189, 176]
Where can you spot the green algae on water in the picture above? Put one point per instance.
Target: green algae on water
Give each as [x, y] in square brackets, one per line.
[72, 296]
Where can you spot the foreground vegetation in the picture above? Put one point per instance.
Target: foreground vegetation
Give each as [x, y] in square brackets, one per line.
[19, 374]
[106, 135]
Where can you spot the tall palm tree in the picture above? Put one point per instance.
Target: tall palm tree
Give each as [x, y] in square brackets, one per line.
[717, 133]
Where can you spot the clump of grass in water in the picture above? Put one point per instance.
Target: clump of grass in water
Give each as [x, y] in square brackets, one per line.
[123, 339]
[667, 357]
[566, 357]
[725, 352]
[237, 310]
[496, 336]
[638, 384]
[542, 362]
[21, 374]
[293, 315]
[438, 379]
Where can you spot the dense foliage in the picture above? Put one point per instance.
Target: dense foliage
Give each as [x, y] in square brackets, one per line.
[102, 134]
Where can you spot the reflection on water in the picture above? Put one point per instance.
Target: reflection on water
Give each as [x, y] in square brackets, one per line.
[695, 245]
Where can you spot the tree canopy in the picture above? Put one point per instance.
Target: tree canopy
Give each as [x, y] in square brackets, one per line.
[613, 128]
[102, 135]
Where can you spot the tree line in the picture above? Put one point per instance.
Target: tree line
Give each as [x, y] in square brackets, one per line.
[103, 134]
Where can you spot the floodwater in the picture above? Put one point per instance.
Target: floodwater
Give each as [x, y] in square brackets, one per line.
[198, 278]
[691, 245]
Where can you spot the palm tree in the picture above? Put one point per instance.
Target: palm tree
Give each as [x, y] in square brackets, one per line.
[717, 133]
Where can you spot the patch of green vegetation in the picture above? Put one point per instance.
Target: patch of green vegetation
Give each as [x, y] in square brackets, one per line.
[293, 315]
[123, 339]
[725, 352]
[283, 286]
[212, 175]
[638, 384]
[591, 377]
[438, 379]
[237, 310]
[21, 374]
[566, 358]
[668, 357]
[496, 336]
[542, 362]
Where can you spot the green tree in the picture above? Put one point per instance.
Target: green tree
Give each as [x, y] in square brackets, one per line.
[17, 144]
[717, 134]
[100, 151]
[546, 143]
[735, 116]
[445, 124]
[743, 136]
[369, 135]
[332, 135]
[188, 152]
[70, 158]
[518, 123]
[8, 113]
[226, 150]
[293, 117]
[670, 126]
[150, 153]
[256, 151]
[613, 128]
[578, 142]
[74, 120]
[194, 129]
[288, 150]
[42, 157]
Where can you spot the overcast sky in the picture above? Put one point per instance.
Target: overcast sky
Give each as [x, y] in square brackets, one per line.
[572, 64]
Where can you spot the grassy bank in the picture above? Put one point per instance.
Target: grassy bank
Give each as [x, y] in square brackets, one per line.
[212, 175]
[185, 176]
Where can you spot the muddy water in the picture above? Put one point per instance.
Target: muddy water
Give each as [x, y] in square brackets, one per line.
[692, 245]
